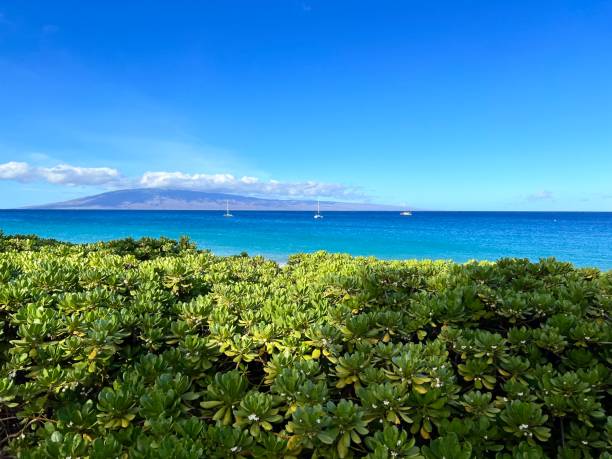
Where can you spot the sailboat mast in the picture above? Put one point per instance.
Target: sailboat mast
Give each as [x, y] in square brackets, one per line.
[318, 214]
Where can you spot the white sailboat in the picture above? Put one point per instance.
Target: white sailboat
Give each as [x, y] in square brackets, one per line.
[318, 214]
[406, 213]
[227, 212]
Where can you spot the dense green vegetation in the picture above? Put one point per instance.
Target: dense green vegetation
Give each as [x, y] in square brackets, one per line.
[153, 349]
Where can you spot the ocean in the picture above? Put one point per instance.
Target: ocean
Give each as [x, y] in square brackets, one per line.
[583, 238]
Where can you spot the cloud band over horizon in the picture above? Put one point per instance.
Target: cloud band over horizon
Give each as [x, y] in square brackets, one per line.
[62, 174]
[69, 175]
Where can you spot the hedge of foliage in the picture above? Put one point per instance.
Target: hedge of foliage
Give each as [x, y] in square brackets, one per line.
[151, 348]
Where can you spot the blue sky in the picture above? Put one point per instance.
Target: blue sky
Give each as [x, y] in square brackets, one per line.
[462, 105]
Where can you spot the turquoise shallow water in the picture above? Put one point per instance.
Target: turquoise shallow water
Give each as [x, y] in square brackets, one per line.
[582, 238]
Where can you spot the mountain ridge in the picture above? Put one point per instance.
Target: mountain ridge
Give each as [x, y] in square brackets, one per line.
[176, 199]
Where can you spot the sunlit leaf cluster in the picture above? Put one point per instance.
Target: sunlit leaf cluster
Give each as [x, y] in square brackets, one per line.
[152, 348]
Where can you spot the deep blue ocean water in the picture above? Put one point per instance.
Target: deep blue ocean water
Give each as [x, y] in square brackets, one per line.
[582, 238]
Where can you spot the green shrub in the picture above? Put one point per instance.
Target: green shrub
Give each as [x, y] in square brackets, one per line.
[151, 348]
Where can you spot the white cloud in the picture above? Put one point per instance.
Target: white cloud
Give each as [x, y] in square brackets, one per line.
[14, 170]
[66, 174]
[182, 180]
[62, 174]
[541, 196]
[227, 183]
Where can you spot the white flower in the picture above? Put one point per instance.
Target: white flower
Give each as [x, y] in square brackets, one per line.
[386, 402]
[318, 421]
[524, 426]
[234, 449]
[253, 417]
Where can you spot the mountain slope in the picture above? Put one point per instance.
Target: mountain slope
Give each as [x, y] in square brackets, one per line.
[159, 199]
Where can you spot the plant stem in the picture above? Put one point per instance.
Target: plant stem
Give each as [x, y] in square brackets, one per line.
[562, 433]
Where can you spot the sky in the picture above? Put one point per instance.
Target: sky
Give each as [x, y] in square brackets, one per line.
[445, 105]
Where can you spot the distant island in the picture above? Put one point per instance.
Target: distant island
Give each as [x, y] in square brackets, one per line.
[167, 199]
